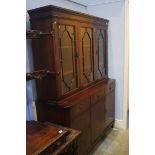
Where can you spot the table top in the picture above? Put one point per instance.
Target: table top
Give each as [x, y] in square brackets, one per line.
[41, 135]
[74, 134]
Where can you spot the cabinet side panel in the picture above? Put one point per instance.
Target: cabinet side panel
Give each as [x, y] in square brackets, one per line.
[44, 58]
[52, 114]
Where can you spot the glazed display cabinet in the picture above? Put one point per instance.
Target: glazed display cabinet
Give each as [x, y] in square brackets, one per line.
[77, 92]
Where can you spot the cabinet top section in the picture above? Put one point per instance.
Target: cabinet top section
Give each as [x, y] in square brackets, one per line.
[58, 12]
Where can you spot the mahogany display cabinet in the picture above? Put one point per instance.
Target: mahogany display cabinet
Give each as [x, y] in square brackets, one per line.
[77, 92]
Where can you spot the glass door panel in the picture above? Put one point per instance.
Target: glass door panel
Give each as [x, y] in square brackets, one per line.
[67, 59]
[101, 53]
[87, 55]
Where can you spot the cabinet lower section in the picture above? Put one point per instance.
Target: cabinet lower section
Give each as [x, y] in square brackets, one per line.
[91, 111]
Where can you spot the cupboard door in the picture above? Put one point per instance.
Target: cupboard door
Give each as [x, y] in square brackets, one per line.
[66, 37]
[97, 118]
[87, 54]
[110, 107]
[82, 123]
[101, 54]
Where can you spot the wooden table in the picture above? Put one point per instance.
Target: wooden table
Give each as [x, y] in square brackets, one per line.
[50, 139]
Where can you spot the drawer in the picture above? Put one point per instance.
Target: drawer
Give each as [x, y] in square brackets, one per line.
[79, 108]
[97, 96]
[50, 149]
[109, 87]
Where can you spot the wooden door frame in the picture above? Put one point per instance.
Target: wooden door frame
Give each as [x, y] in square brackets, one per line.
[126, 68]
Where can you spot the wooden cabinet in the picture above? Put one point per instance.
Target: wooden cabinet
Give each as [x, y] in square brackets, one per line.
[78, 93]
[91, 111]
[76, 51]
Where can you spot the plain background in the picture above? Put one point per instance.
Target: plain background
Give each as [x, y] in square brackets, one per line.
[13, 80]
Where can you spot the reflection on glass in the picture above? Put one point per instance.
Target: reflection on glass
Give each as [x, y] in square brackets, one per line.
[87, 55]
[67, 58]
[100, 53]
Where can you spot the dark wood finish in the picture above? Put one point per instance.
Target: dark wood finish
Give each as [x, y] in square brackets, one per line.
[50, 139]
[39, 136]
[90, 111]
[87, 105]
[97, 118]
[70, 147]
[110, 107]
[58, 12]
[47, 51]
[35, 34]
[39, 75]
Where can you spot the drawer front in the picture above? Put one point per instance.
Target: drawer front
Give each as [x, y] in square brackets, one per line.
[80, 108]
[49, 150]
[109, 87]
[97, 96]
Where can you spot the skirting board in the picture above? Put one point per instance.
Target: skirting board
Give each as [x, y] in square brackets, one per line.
[119, 124]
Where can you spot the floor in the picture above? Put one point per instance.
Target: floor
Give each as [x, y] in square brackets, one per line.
[116, 143]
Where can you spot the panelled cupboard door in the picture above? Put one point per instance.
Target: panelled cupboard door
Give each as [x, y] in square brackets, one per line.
[86, 48]
[101, 52]
[110, 107]
[82, 123]
[97, 118]
[66, 55]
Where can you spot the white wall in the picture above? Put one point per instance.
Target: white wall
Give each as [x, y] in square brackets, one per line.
[115, 13]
